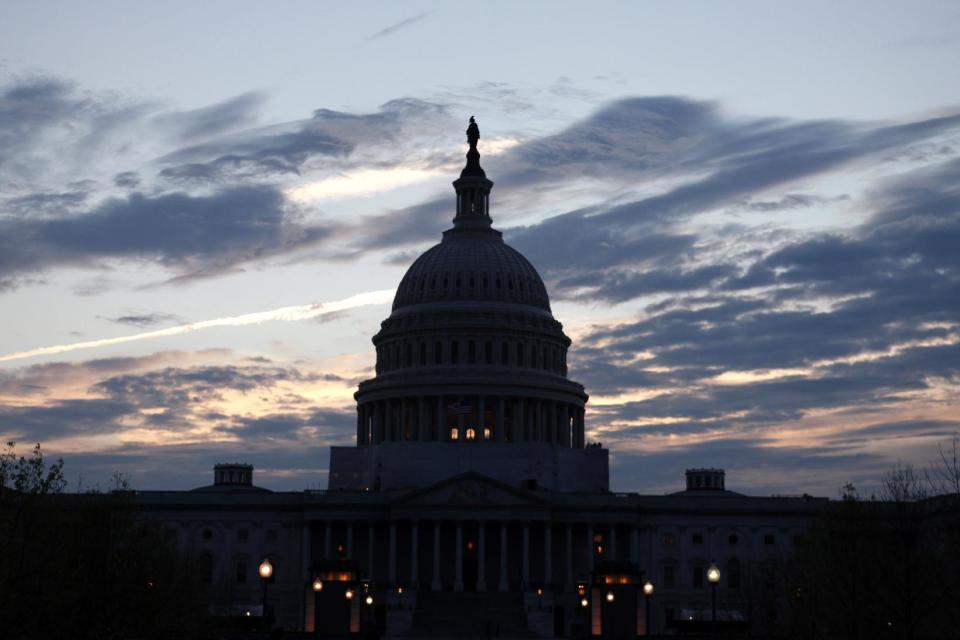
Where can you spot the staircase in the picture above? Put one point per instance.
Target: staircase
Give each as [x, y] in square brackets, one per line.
[469, 615]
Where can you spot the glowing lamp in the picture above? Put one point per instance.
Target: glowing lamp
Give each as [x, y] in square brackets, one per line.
[648, 588]
[348, 594]
[584, 603]
[318, 584]
[713, 574]
[369, 599]
[609, 596]
[266, 569]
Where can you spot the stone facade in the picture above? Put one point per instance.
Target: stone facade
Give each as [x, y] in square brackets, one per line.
[471, 486]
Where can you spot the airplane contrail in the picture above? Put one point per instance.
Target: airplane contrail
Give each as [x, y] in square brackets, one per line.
[286, 314]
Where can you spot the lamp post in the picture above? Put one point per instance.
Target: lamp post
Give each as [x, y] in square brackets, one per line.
[266, 571]
[647, 593]
[713, 576]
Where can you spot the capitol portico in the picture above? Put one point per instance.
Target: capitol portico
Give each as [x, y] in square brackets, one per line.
[471, 495]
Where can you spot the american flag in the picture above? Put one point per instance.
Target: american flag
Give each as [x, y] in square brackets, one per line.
[459, 409]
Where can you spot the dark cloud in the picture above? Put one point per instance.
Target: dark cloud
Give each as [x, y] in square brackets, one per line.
[328, 136]
[147, 319]
[392, 29]
[189, 234]
[127, 180]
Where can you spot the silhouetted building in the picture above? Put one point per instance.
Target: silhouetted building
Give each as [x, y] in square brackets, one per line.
[471, 502]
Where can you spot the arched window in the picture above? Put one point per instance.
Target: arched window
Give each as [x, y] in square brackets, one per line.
[471, 352]
[533, 356]
[488, 349]
[504, 353]
[409, 354]
[438, 353]
[519, 354]
[546, 359]
[454, 352]
[423, 353]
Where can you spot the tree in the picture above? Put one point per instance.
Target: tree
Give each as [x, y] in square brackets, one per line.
[83, 565]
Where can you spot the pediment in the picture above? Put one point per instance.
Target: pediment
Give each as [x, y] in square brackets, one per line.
[470, 489]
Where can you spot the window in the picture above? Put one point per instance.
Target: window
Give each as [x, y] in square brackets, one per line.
[488, 352]
[698, 538]
[454, 352]
[769, 539]
[733, 573]
[206, 568]
[243, 535]
[487, 433]
[271, 535]
[519, 355]
[409, 355]
[733, 539]
[668, 539]
[504, 353]
[206, 534]
[533, 357]
[669, 576]
[423, 354]
[471, 352]
[454, 434]
[471, 434]
[697, 577]
[438, 353]
[241, 572]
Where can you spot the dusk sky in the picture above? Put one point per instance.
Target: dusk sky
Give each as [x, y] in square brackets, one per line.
[747, 216]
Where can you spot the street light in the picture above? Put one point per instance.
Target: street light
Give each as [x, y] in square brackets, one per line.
[317, 584]
[266, 572]
[609, 596]
[713, 576]
[647, 594]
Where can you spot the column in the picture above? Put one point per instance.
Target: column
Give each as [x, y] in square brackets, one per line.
[436, 556]
[350, 540]
[634, 545]
[535, 433]
[402, 427]
[519, 435]
[377, 409]
[526, 556]
[370, 549]
[461, 432]
[560, 422]
[554, 431]
[361, 432]
[305, 561]
[590, 548]
[423, 423]
[392, 560]
[498, 434]
[414, 549]
[442, 434]
[482, 556]
[613, 541]
[503, 555]
[569, 563]
[387, 420]
[328, 533]
[547, 554]
[481, 422]
[458, 575]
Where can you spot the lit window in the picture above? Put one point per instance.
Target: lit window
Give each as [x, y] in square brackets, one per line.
[471, 434]
[667, 539]
[487, 434]
[454, 434]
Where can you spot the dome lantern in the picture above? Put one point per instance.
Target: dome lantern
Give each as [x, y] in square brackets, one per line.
[473, 188]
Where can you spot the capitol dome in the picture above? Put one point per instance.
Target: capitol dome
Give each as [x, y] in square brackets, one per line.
[471, 351]
[468, 267]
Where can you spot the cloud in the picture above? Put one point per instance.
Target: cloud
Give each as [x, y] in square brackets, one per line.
[147, 319]
[392, 29]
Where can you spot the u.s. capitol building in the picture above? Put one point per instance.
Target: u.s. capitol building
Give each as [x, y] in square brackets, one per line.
[472, 503]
